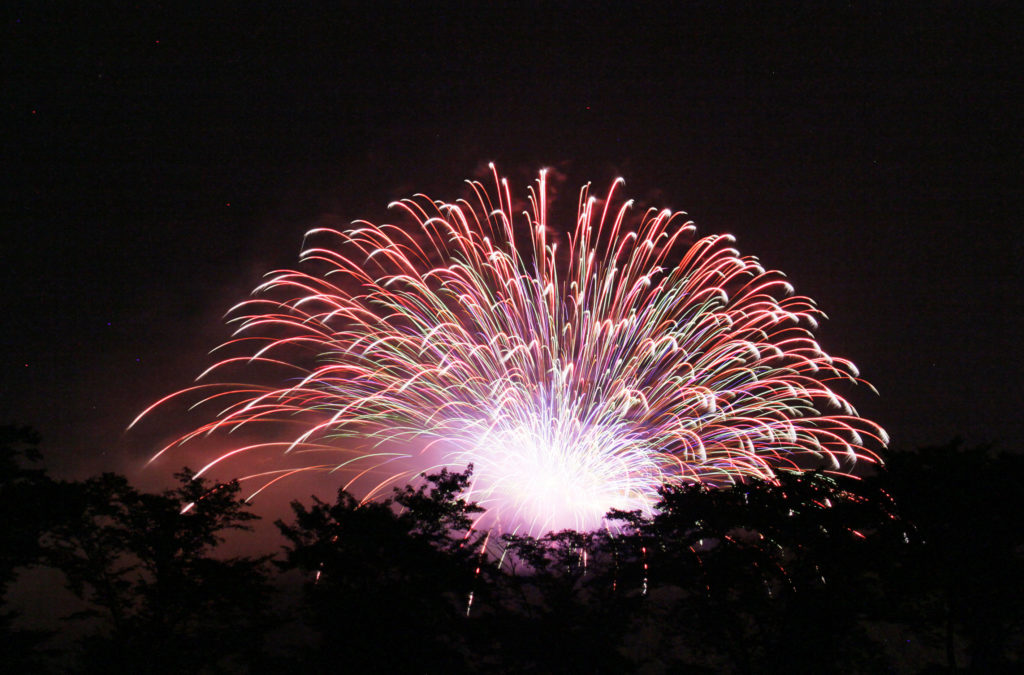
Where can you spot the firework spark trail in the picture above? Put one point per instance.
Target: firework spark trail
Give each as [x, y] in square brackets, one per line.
[574, 380]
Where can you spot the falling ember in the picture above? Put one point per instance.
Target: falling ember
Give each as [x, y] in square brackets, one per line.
[575, 375]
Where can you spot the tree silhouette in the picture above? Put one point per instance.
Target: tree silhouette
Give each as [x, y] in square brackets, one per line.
[557, 608]
[761, 577]
[389, 581]
[144, 564]
[959, 583]
[27, 509]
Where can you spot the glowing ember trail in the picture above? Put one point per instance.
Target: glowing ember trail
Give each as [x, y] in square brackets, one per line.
[576, 375]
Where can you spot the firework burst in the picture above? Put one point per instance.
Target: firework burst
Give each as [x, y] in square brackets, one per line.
[577, 373]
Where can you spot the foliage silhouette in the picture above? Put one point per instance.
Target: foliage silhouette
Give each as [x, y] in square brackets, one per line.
[389, 581]
[808, 573]
[144, 565]
[960, 579]
[760, 577]
[26, 510]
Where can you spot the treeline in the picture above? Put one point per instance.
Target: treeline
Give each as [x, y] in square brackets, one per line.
[917, 569]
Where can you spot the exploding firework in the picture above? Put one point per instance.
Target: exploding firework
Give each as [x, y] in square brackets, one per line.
[577, 371]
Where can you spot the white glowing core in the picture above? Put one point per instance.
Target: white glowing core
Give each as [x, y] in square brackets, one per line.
[541, 477]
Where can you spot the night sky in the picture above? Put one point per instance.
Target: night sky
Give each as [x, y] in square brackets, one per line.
[159, 161]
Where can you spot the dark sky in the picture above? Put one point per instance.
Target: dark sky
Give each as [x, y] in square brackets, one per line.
[158, 161]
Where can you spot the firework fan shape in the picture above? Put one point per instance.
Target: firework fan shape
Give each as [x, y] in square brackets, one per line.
[576, 376]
